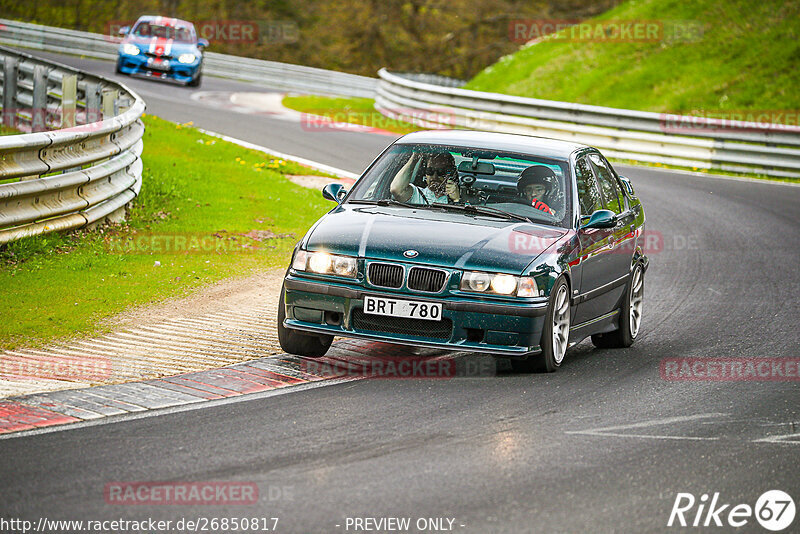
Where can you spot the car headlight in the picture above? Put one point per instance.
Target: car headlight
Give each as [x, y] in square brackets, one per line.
[324, 263]
[499, 284]
[130, 49]
[186, 58]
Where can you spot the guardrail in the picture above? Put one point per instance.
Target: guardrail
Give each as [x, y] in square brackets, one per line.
[272, 74]
[82, 173]
[752, 147]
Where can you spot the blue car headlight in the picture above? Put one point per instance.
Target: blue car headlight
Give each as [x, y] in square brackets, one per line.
[324, 263]
[186, 58]
[130, 49]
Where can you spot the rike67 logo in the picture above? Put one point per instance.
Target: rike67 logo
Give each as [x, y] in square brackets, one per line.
[774, 510]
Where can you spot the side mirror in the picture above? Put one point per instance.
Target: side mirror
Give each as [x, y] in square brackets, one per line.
[202, 43]
[601, 219]
[628, 186]
[334, 192]
[124, 30]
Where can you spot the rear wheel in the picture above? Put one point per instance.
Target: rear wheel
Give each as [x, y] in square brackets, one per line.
[630, 315]
[555, 335]
[299, 343]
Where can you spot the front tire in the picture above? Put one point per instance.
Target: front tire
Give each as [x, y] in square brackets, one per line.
[196, 82]
[631, 315]
[555, 335]
[299, 343]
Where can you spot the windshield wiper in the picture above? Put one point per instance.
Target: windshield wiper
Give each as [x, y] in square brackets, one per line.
[482, 210]
[393, 202]
[386, 202]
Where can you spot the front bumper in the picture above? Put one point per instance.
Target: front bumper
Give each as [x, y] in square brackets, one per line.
[468, 324]
[137, 65]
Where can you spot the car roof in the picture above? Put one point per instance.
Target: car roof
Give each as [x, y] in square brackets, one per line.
[524, 144]
[165, 21]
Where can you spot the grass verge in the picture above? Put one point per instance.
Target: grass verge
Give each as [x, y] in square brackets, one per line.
[208, 210]
[351, 110]
[712, 56]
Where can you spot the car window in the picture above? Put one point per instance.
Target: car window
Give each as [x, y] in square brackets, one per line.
[181, 34]
[608, 184]
[525, 185]
[588, 192]
[617, 182]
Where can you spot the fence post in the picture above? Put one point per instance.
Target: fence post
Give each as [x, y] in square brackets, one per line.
[93, 92]
[69, 100]
[110, 97]
[39, 107]
[10, 65]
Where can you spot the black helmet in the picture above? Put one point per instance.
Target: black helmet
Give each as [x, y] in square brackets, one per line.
[537, 174]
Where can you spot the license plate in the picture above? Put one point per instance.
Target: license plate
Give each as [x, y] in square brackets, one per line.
[160, 64]
[431, 311]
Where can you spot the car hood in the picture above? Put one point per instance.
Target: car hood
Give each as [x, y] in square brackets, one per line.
[169, 46]
[443, 239]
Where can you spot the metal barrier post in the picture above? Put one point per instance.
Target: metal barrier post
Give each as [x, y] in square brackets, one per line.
[110, 97]
[69, 100]
[61, 180]
[93, 93]
[39, 107]
[10, 91]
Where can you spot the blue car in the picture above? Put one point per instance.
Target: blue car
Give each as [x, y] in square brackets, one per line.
[162, 48]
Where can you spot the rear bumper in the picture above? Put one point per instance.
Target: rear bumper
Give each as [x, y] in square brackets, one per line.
[476, 326]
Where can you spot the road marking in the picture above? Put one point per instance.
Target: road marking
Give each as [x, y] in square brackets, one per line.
[611, 430]
[303, 161]
[787, 439]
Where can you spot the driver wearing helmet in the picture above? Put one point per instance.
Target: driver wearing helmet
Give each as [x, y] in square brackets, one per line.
[536, 186]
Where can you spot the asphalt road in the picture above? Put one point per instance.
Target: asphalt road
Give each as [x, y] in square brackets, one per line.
[351, 151]
[603, 445]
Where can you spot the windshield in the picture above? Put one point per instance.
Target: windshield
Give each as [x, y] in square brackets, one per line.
[436, 175]
[181, 34]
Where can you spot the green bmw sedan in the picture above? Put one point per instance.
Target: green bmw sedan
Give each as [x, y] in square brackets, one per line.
[502, 244]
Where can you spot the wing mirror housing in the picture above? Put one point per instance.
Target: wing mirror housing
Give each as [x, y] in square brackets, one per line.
[601, 219]
[334, 192]
[202, 43]
[124, 30]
